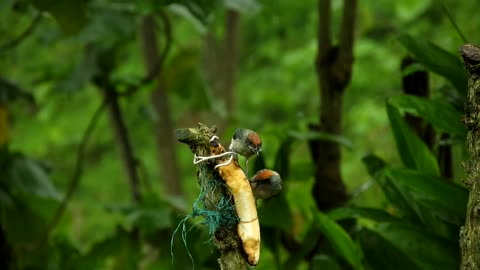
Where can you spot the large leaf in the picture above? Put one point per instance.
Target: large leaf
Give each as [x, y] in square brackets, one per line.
[441, 114]
[432, 198]
[375, 167]
[341, 242]
[437, 60]
[403, 244]
[360, 212]
[414, 153]
[382, 254]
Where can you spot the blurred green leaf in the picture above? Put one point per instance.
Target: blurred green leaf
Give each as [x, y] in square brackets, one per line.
[417, 245]
[276, 209]
[411, 9]
[441, 114]
[437, 60]
[376, 167]
[383, 254]
[27, 177]
[150, 220]
[433, 198]
[373, 164]
[70, 15]
[308, 244]
[324, 262]
[375, 214]
[317, 135]
[282, 158]
[412, 150]
[340, 240]
[22, 225]
[244, 6]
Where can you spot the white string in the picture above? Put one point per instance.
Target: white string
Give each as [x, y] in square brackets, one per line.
[200, 159]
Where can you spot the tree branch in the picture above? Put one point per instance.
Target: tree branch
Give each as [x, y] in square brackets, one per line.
[121, 135]
[324, 36]
[347, 31]
[77, 172]
[14, 42]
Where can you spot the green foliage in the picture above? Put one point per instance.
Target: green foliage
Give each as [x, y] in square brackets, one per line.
[437, 60]
[441, 114]
[412, 150]
[341, 242]
[409, 219]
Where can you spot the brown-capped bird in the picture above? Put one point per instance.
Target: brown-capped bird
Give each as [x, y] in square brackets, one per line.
[247, 143]
[265, 184]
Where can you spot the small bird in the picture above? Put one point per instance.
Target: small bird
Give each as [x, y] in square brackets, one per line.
[265, 184]
[247, 143]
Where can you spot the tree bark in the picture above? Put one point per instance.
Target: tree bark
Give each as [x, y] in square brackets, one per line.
[334, 67]
[470, 233]
[166, 150]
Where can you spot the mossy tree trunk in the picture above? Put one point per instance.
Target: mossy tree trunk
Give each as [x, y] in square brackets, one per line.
[470, 233]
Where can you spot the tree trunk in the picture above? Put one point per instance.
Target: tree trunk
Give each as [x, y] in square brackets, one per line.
[470, 233]
[166, 150]
[334, 67]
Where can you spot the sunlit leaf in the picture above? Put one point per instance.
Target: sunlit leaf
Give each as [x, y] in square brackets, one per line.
[414, 153]
[340, 241]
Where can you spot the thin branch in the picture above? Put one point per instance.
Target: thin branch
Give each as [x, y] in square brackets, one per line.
[123, 140]
[453, 22]
[77, 173]
[347, 30]
[14, 42]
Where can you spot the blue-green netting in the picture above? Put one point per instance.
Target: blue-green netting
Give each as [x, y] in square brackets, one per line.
[223, 213]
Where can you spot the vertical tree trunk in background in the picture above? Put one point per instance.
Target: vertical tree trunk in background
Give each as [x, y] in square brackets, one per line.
[164, 128]
[470, 233]
[121, 135]
[221, 70]
[334, 67]
[230, 56]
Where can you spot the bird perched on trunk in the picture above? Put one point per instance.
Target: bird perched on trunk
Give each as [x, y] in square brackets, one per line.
[265, 184]
[246, 143]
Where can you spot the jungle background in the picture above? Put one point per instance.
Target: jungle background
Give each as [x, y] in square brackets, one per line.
[91, 93]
